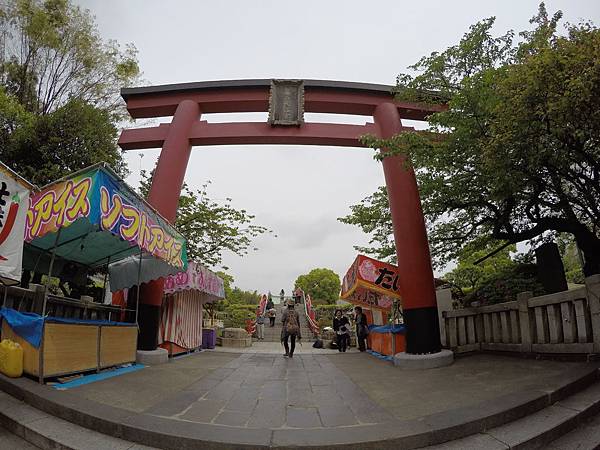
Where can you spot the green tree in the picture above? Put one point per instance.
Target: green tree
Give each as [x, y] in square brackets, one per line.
[54, 53]
[211, 228]
[43, 148]
[468, 275]
[321, 284]
[516, 155]
[570, 258]
[59, 94]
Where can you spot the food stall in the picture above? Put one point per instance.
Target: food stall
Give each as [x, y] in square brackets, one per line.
[91, 218]
[186, 293]
[373, 285]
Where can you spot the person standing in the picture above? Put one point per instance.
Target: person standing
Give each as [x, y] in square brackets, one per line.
[362, 328]
[290, 331]
[281, 296]
[270, 304]
[341, 326]
[260, 325]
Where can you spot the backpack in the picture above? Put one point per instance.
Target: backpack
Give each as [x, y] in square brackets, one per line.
[292, 326]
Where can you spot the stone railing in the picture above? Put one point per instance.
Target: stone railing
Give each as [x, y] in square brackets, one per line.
[565, 322]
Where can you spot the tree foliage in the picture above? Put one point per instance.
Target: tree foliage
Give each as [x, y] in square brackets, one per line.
[516, 155]
[321, 284]
[59, 94]
[43, 148]
[53, 53]
[468, 275]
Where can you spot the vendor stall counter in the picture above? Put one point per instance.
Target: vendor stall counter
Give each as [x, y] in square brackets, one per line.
[55, 346]
[387, 340]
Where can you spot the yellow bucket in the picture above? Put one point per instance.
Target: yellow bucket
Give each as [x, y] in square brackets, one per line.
[11, 358]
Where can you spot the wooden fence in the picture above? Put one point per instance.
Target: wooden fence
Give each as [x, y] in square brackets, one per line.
[565, 322]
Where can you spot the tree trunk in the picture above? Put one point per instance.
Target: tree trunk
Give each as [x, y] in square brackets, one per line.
[589, 244]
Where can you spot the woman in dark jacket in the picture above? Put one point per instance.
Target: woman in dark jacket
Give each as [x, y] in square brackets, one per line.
[341, 326]
[362, 328]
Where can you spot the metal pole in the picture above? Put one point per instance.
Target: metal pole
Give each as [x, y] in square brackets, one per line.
[50, 271]
[105, 277]
[137, 300]
[5, 295]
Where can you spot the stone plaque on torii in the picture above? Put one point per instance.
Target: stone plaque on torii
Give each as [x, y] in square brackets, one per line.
[286, 103]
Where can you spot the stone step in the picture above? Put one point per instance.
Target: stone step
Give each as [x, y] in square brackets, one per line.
[51, 433]
[540, 429]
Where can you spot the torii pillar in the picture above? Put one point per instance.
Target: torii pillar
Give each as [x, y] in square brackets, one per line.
[164, 196]
[419, 305]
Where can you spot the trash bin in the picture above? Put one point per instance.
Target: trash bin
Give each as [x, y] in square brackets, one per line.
[209, 338]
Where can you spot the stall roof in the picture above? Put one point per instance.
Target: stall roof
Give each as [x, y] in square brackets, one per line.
[127, 272]
[196, 278]
[93, 216]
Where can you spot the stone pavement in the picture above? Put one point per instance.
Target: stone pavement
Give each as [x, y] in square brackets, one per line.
[260, 400]
[253, 390]
[11, 441]
[276, 348]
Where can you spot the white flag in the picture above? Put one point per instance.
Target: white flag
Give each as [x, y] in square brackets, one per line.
[14, 202]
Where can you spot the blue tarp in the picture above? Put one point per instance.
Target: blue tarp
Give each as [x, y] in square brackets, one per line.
[30, 326]
[396, 329]
[380, 356]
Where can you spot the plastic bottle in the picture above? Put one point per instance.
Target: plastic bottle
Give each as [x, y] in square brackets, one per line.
[11, 358]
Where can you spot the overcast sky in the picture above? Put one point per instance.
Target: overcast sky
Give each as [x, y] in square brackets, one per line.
[299, 192]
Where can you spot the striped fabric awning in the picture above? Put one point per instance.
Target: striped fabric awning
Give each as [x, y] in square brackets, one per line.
[181, 321]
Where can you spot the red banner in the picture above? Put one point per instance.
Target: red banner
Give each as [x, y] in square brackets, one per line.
[371, 283]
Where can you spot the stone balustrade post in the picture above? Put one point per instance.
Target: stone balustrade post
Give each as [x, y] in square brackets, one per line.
[444, 303]
[592, 285]
[525, 321]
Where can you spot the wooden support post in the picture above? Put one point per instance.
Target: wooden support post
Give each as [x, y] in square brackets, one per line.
[525, 320]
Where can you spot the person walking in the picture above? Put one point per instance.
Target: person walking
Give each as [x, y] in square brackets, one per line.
[272, 315]
[281, 296]
[260, 325]
[290, 331]
[341, 326]
[270, 304]
[362, 328]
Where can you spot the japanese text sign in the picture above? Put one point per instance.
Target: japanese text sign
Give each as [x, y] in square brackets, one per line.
[14, 198]
[106, 202]
[197, 278]
[371, 283]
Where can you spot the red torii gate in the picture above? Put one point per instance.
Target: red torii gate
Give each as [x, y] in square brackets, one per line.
[186, 102]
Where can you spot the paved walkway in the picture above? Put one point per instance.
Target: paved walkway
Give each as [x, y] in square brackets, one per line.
[314, 390]
[276, 348]
[265, 400]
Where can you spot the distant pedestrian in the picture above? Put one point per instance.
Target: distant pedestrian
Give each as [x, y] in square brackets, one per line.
[297, 295]
[281, 296]
[341, 326]
[290, 329]
[270, 304]
[272, 314]
[362, 328]
[260, 325]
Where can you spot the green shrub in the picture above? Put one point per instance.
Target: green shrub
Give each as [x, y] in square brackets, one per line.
[504, 285]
